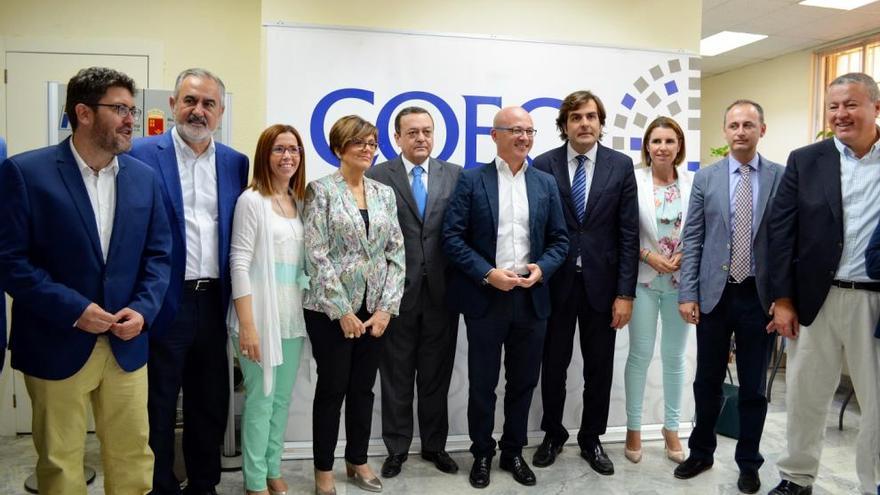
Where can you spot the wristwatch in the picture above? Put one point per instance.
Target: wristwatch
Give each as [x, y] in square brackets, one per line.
[486, 277]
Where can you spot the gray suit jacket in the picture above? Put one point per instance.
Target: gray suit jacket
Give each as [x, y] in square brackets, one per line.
[422, 238]
[706, 235]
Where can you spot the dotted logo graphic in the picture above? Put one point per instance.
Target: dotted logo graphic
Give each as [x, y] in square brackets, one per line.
[668, 89]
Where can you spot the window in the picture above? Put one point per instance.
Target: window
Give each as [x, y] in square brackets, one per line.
[861, 55]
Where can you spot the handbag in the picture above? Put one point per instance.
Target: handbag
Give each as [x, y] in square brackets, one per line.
[728, 419]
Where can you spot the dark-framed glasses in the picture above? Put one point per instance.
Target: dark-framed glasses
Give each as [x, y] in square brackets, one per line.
[361, 144]
[122, 110]
[518, 131]
[293, 150]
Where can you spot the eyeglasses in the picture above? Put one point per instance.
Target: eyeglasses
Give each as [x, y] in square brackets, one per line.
[518, 131]
[122, 110]
[414, 133]
[361, 144]
[293, 150]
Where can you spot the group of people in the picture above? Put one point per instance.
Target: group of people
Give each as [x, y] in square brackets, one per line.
[131, 263]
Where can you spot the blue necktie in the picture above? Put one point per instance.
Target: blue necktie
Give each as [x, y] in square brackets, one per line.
[579, 188]
[418, 189]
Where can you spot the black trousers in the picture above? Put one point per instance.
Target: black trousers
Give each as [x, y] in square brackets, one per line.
[597, 348]
[191, 354]
[346, 372]
[739, 313]
[418, 351]
[510, 324]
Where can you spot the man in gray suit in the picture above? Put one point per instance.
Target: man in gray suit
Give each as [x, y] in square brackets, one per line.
[725, 287]
[419, 347]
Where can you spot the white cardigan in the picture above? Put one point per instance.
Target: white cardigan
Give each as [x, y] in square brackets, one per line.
[648, 213]
[251, 267]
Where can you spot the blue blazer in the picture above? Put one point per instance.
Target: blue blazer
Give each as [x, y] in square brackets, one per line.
[232, 173]
[608, 239]
[470, 232]
[706, 235]
[872, 263]
[51, 261]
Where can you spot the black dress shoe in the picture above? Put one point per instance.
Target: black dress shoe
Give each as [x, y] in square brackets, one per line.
[517, 466]
[691, 467]
[441, 460]
[786, 487]
[194, 491]
[748, 482]
[547, 452]
[392, 465]
[598, 459]
[479, 477]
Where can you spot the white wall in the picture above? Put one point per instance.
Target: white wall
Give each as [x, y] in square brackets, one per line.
[783, 86]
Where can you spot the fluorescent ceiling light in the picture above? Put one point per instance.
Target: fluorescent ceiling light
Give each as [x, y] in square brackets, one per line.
[726, 41]
[836, 4]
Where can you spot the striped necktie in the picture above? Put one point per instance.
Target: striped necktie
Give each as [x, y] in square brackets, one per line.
[579, 188]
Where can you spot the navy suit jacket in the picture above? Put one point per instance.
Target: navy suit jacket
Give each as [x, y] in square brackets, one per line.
[806, 228]
[2, 294]
[608, 240]
[232, 172]
[470, 234]
[52, 265]
[872, 263]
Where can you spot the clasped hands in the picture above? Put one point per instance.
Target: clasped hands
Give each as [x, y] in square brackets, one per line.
[125, 323]
[353, 327]
[506, 280]
[664, 264]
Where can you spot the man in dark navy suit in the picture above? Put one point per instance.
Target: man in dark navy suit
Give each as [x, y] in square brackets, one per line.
[85, 254]
[596, 285]
[201, 181]
[505, 235]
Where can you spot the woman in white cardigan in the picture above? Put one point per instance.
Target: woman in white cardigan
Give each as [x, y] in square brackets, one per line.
[664, 187]
[266, 320]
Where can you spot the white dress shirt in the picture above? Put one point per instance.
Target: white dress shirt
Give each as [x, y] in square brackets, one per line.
[512, 248]
[589, 166]
[101, 187]
[409, 170]
[198, 183]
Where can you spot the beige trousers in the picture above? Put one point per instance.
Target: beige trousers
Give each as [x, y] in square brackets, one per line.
[60, 416]
[843, 329]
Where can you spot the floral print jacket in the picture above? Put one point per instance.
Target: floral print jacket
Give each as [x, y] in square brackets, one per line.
[343, 261]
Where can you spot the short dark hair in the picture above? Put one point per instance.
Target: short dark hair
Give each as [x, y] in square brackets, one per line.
[89, 85]
[743, 101]
[408, 111]
[347, 129]
[571, 103]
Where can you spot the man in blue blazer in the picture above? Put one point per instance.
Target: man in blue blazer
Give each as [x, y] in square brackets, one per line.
[825, 302]
[85, 254]
[597, 283]
[201, 181]
[505, 235]
[725, 288]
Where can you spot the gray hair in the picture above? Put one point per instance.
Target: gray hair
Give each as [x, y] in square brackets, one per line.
[859, 78]
[201, 74]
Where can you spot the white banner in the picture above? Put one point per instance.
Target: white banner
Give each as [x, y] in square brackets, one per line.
[316, 75]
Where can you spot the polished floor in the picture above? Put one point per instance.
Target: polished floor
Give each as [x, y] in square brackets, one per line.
[569, 475]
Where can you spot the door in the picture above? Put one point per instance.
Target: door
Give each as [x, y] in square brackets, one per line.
[27, 128]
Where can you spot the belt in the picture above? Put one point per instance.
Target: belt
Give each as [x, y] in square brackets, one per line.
[744, 281]
[847, 284]
[201, 285]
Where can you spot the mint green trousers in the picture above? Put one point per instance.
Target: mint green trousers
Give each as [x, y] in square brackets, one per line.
[264, 418]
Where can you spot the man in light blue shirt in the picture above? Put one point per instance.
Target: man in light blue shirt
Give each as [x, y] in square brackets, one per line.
[825, 303]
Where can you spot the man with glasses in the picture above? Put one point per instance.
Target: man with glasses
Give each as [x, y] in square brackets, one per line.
[505, 235]
[596, 284]
[419, 348]
[201, 183]
[85, 251]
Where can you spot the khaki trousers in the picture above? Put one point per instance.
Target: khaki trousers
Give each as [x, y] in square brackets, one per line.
[60, 416]
[843, 329]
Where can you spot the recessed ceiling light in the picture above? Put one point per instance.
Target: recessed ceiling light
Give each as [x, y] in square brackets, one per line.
[836, 4]
[726, 41]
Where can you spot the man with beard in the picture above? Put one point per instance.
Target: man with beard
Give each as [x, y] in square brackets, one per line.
[202, 180]
[85, 253]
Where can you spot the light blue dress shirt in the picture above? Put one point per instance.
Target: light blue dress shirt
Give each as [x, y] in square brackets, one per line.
[734, 177]
[860, 193]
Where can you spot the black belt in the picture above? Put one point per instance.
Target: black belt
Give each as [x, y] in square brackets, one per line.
[747, 280]
[201, 285]
[846, 284]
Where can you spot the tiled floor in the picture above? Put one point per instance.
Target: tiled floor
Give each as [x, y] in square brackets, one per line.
[569, 475]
